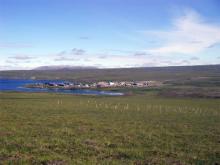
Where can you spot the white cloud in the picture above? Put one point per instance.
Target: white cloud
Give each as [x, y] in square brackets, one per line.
[190, 34]
[76, 51]
[22, 57]
[62, 58]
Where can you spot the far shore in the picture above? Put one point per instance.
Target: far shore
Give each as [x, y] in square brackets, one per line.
[98, 85]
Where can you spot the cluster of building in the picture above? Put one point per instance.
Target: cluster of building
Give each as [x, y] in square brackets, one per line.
[101, 84]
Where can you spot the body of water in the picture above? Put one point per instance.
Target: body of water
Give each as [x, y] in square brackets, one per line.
[19, 85]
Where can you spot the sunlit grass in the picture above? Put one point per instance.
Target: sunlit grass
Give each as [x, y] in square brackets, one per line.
[67, 129]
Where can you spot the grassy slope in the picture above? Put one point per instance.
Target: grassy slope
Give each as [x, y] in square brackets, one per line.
[37, 128]
[211, 72]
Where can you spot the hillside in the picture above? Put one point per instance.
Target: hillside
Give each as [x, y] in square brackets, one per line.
[63, 67]
[148, 73]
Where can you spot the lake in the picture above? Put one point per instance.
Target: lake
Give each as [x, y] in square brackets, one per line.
[19, 86]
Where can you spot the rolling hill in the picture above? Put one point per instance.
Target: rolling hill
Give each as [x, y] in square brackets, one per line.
[171, 73]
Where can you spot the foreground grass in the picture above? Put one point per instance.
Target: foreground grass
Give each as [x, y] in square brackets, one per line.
[66, 129]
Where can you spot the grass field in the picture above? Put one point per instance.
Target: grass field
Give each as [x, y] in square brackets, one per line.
[40, 128]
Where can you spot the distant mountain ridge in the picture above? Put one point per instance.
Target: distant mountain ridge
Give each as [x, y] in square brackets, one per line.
[92, 74]
[63, 67]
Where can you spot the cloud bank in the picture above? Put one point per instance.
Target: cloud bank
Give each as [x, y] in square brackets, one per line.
[190, 34]
[21, 57]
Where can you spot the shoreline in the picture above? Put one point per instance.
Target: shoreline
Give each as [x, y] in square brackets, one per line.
[94, 85]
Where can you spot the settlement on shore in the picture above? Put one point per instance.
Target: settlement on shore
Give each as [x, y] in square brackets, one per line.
[101, 84]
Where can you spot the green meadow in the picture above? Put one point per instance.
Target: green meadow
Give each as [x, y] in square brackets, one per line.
[43, 128]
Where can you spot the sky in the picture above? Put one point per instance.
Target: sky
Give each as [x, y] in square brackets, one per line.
[108, 33]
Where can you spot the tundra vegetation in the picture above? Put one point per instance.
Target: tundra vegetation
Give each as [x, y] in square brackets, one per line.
[176, 123]
[144, 128]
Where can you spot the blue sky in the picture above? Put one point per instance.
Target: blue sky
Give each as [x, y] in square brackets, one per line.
[108, 33]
